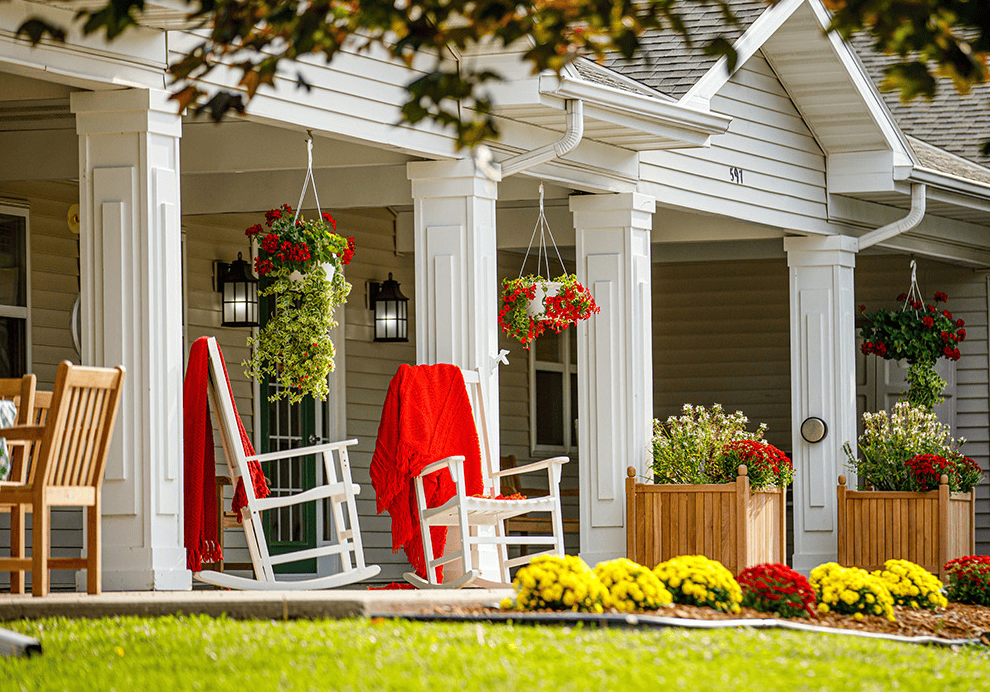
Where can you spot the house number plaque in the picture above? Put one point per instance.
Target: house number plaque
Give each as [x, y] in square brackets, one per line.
[736, 175]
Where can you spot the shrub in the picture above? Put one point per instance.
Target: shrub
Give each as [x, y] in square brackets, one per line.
[912, 585]
[776, 588]
[851, 591]
[691, 448]
[969, 580]
[891, 440]
[632, 586]
[696, 580]
[558, 583]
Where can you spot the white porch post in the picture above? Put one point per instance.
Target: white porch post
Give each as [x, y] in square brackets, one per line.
[823, 384]
[130, 281]
[615, 362]
[456, 280]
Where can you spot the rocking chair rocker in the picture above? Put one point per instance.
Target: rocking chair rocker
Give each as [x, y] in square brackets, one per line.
[341, 494]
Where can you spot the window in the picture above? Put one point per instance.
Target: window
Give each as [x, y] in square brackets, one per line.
[553, 393]
[14, 291]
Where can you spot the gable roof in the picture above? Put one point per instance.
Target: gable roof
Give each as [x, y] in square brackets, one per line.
[666, 63]
[957, 123]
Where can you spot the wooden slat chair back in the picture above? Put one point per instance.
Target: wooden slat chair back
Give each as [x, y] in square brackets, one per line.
[67, 470]
[42, 404]
[469, 513]
[338, 489]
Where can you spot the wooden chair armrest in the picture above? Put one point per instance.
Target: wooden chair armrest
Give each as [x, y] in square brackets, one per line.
[437, 465]
[535, 466]
[23, 432]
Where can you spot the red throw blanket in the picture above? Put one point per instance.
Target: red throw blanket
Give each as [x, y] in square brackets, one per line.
[426, 417]
[200, 464]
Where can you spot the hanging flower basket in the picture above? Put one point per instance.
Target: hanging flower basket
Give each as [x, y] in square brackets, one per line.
[918, 333]
[303, 262]
[532, 304]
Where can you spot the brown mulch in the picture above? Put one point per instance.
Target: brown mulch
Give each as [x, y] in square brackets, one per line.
[957, 621]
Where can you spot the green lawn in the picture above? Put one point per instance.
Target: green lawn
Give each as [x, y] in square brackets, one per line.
[186, 653]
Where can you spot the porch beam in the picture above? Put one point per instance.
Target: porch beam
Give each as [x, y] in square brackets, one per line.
[615, 361]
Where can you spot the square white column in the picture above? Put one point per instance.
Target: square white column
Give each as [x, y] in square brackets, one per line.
[131, 288]
[615, 362]
[457, 283]
[823, 384]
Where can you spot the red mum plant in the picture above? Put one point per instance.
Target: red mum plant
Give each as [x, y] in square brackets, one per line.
[969, 580]
[564, 302]
[925, 470]
[776, 588]
[767, 466]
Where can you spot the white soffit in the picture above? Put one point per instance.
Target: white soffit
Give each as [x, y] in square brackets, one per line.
[617, 111]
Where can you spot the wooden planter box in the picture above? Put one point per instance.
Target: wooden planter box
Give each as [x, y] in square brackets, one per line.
[723, 522]
[928, 529]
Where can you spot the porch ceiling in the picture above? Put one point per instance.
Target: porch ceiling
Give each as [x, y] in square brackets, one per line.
[157, 14]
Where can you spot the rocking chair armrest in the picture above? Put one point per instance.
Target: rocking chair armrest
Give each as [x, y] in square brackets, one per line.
[535, 466]
[23, 432]
[300, 451]
[437, 465]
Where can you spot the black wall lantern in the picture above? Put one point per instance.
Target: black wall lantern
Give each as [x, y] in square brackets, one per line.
[240, 293]
[391, 310]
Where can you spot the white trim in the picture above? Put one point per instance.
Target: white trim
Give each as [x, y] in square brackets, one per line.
[23, 312]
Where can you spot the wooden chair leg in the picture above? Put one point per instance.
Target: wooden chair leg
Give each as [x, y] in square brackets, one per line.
[41, 547]
[94, 548]
[18, 547]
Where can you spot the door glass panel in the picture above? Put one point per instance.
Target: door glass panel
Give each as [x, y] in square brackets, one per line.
[549, 408]
[12, 347]
[13, 260]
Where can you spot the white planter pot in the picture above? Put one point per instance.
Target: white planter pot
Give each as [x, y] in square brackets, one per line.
[536, 308]
[327, 267]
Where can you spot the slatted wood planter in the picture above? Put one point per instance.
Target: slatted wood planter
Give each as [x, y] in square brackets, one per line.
[928, 529]
[724, 522]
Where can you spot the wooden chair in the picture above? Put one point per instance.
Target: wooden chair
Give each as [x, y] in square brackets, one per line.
[528, 524]
[66, 471]
[21, 391]
[471, 513]
[341, 493]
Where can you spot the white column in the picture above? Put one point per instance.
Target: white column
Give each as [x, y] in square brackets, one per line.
[615, 365]
[130, 282]
[456, 280]
[823, 384]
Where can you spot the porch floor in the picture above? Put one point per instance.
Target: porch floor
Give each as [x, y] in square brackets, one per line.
[245, 605]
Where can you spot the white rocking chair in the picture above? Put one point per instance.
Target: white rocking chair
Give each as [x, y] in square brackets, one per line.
[470, 513]
[340, 493]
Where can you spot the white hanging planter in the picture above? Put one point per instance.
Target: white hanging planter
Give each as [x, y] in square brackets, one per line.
[537, 307]
[329, 268]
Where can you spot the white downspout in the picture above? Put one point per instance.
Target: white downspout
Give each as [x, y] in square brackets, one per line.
[572, 135]
[913, 218]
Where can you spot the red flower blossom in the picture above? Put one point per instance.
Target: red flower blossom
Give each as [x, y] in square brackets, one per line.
[940, 297]
[902, 296]
[928, 322]
[961, 335]
[960, 322]
[253, 230]
[327, 218]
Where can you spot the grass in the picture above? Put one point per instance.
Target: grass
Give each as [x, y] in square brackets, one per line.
[188, 653]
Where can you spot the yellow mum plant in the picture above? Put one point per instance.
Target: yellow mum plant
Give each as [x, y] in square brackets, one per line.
[631, 586]
[696, 580]
[851, 591]
[912, 585]
[558, 583]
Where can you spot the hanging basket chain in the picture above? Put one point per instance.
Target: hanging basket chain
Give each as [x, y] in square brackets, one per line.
[914, 293]
[309, 178]
[542, 256]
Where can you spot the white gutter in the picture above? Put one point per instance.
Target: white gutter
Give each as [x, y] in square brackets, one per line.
[914, 217]
[572, 136]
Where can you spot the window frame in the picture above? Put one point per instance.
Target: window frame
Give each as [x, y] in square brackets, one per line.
[17, 311]
[568, 369]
